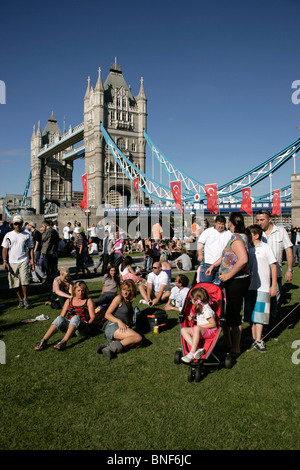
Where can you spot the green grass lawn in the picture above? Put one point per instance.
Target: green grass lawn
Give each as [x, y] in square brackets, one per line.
[142, 400]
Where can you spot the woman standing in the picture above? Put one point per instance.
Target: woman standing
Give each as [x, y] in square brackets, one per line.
[119, 318]
[234, 274]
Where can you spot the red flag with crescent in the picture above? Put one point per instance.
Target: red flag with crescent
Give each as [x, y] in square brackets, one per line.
[212, 198]
[247, 202]
[176, 191]
[276, 203]
[136, 185]
[83, 204]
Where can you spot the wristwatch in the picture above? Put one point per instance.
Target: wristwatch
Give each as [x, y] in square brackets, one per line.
[291, 270]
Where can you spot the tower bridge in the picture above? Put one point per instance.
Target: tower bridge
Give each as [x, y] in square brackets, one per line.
[112, 139]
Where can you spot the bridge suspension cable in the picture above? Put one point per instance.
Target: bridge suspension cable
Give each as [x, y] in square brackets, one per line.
[235, 186]
[146, 184]
[189, 183]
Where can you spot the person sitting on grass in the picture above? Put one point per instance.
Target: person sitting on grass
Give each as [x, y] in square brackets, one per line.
[206, 325]
[110, 286]
[178, 293]
[127, 271]
[61, 289]
[119, 317]
[77, 314]
[157, 290]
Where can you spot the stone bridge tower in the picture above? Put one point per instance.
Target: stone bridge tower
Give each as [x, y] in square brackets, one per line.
[124, 117]
[51, 178]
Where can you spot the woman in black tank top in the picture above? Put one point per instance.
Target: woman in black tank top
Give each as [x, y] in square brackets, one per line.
[77, 313]
[117, 327]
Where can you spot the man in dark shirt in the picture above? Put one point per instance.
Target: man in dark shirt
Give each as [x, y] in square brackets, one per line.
[50, 241]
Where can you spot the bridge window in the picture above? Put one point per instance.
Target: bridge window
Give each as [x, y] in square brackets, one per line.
[133, 147]
[121, 144]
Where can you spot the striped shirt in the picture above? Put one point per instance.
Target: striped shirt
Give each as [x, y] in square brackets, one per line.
[279, 240]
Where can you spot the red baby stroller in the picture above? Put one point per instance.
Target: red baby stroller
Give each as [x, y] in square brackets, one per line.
[209, 358]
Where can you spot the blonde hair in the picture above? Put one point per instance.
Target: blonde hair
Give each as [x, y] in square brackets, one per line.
[64, 272]
[201, 297]
[80, 284]
[131, 286]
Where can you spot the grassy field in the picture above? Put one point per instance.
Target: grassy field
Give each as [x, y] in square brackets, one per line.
[142, 400]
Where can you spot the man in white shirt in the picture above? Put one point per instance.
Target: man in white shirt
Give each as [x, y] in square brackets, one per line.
[178, 293]
[157, 288]
[279, 240]
[17, 252]
[67, 232]
[211, 244]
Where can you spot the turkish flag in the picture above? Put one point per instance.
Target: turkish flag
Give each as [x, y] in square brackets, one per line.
[176, 191]
[83, 204]
[247, 202]
[211, 197]
[136, 185]
[276, 203]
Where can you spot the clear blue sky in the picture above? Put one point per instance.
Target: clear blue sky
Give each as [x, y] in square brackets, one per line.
[217, 76]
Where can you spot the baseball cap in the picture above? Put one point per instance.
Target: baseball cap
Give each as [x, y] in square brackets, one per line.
[17, 218]
[32, 224]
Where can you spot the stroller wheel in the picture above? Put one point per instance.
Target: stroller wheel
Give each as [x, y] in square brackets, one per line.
[228, 361]
[197, 374]
[177, 357]
[191, 374]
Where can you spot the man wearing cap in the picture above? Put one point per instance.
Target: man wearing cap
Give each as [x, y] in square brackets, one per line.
[17, 251]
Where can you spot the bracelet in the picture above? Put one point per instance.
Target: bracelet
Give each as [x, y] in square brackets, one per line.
[4, 261]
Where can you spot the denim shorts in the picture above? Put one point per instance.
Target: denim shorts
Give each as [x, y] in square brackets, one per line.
[63, 323]
[110, 329]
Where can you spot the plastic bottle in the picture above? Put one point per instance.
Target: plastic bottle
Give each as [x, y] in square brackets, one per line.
[155, 329]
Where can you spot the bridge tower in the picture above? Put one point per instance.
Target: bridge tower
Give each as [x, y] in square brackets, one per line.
[125, 117]
[51, 178]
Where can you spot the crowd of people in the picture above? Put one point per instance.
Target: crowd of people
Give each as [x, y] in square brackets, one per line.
[246, 261]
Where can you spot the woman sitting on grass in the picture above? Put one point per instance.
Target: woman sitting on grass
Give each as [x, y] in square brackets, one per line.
[61, 289]
[110, 286]
[127, 271]
[77, 314]
[119, 318]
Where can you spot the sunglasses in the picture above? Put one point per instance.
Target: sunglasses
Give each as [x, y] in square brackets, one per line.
[17, 223]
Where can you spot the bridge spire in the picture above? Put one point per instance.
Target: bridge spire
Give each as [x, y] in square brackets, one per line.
[99, 84]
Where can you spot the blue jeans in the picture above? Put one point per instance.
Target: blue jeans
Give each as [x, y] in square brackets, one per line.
[214, 277]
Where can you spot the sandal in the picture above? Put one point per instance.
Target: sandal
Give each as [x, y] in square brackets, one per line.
[42, 345]
[61, 345]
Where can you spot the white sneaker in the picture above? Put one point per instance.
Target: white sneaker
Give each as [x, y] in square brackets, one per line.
[199, 353]
[260, 345]
[143, 301]
[188, 358]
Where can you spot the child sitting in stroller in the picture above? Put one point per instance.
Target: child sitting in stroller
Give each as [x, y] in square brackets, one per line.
[205, 326]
